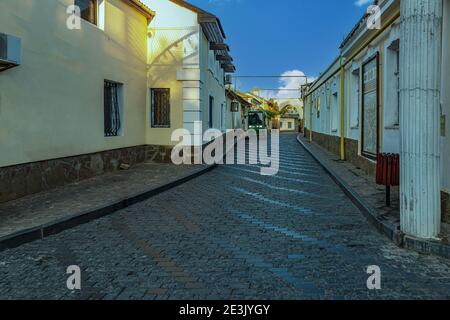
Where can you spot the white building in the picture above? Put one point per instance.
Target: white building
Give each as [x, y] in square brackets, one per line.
[187, 65]
[388, 92]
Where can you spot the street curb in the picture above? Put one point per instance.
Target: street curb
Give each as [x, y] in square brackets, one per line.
[388, 230]
[384, 228]
[38, 233]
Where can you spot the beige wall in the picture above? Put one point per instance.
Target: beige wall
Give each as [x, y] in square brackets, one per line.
[52, 105]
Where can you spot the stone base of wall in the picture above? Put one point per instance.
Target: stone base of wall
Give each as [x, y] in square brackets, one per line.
[352, 156]
[25, 179]
[333, 144]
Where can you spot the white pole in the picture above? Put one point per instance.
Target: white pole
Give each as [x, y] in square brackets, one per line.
[420, 63]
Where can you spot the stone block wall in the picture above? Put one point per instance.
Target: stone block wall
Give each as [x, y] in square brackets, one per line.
[333, 144]
[25, 179]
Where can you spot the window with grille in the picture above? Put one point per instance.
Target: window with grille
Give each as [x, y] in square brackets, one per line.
[160, 104]
[88, 10]
[113, 108]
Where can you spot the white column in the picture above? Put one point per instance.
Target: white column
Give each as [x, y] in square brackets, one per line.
[420, 51]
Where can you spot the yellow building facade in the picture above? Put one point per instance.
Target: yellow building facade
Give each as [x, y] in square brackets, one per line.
[52, 104]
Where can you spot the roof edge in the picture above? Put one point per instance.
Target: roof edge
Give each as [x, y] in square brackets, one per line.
[142, 8]
[200, 11]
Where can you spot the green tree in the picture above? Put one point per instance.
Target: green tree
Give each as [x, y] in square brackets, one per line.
[274, 112]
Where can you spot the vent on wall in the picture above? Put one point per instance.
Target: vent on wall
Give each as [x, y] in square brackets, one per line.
[10, 51]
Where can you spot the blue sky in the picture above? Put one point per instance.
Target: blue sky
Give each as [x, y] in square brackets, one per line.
[271, 37]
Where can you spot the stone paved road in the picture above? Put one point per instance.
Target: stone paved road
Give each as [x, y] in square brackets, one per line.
[230, 234]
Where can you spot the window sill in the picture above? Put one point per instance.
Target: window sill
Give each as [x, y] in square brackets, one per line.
[392, 127]
[369, 157]
[354, 127]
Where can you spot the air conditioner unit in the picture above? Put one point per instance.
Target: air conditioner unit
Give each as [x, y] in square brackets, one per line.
[228, 79]
[10, 51]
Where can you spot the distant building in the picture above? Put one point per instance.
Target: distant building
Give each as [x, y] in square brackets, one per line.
[289, 123]
[237, 110]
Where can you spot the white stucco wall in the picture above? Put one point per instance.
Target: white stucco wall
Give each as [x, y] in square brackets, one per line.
[180, 59]
[234, 119]
[174, 63]
[445, 97]
[329, 92]
[285, 122]
[212, 85]
[390, 114]
[52, 104]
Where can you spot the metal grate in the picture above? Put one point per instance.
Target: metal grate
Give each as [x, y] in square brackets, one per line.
[112, 110]
[160, 108]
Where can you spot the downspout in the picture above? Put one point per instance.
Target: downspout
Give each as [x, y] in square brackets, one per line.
[342, 110]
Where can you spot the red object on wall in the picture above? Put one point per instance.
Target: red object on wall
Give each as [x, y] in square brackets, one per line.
[388, 169]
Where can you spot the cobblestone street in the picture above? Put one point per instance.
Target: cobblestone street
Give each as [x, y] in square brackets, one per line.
[229, 234]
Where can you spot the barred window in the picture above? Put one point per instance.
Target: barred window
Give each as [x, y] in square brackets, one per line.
[113, 108]
[88, 10]
[160, 104]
